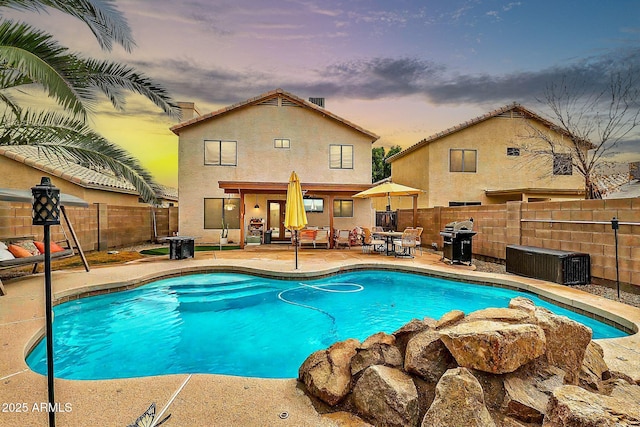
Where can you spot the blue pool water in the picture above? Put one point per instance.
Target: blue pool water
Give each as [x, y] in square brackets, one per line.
[227, 323]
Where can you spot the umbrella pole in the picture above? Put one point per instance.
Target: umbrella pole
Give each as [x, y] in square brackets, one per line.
[295, 242]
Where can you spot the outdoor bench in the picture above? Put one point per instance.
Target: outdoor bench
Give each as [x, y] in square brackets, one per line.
[34, 259]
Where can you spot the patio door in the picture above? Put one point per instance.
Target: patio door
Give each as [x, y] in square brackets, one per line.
[275, 220]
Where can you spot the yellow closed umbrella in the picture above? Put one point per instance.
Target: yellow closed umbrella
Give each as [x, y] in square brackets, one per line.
[295, 218]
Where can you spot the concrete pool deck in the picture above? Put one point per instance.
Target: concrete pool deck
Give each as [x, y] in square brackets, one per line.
[217, 400]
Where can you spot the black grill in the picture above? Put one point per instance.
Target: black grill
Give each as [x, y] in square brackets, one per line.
[564, 267]
[457, 239]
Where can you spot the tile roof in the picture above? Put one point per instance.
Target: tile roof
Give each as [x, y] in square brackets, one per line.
[72, 172]
[511, 107]
[272, 94]
[167, 193]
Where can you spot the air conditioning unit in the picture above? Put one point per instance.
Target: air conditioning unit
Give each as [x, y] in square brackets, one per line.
[564, 267]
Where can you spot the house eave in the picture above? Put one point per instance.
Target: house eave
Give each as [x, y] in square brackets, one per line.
[176, 129]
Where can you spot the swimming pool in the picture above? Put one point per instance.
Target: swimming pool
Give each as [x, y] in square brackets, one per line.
[237, 324]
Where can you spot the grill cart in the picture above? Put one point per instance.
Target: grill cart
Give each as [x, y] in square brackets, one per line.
[457, 241]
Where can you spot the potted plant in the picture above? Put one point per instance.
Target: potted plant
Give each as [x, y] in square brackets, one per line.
[224, 234]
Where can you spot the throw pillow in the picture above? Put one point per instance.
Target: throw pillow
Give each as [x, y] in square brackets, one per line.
[5, 255]
[29, 246]
[19, 251]
[53, 245]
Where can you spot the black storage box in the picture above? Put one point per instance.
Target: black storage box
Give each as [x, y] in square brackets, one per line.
[564, 267]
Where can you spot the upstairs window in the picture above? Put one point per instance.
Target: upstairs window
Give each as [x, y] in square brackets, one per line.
[562, 164]
[220, 153]
[462, 160]
[513, 151]
[282, 143]
[341, 156]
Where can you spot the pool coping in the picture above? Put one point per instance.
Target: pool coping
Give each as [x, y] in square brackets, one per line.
[22, 326]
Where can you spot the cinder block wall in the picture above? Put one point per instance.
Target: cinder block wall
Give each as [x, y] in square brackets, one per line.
[581, 225]
[98, 227]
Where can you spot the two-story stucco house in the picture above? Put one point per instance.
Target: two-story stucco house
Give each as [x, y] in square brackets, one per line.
[490, 159]
[235, 163]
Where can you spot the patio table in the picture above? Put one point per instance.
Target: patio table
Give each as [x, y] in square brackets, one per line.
[389, 236]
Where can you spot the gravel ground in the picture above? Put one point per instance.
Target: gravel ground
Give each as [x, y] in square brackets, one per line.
[603, 291]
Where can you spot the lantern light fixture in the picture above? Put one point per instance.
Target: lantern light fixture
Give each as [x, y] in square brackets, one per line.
[46, 203]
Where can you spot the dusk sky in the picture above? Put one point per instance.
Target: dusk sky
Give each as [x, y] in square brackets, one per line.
[401, 69]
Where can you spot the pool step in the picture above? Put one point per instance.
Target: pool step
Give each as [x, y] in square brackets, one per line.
[226, 298]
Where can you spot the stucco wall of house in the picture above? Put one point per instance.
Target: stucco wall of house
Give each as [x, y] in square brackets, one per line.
[16, 175]
[427, 167]
[255, 128]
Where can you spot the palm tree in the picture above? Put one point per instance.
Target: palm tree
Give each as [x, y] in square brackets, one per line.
[31, 57]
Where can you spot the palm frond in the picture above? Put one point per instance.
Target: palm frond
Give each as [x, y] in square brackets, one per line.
[32, 56]
[72, 140]
[112, 78]
[104, 20]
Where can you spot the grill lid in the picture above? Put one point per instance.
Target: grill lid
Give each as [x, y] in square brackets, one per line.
[457, 226]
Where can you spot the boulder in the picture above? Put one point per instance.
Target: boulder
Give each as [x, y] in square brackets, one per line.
[327, 373]
[378, 349]
[450, 318]
[522, 303]
[572, 406]
[623, 390]
[495, 347]
[459, 402]
[404, 334]
[427, 356]
[386, 397]
[508, 315]
[560, 330]
[593, 369]
[527, 393]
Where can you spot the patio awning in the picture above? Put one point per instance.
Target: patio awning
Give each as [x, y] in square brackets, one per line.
[25, 196]
[235, 187]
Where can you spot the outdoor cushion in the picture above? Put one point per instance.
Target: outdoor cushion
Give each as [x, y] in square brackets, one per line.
[53, 245]
[29, 246]
[6, 255]
[19, 251]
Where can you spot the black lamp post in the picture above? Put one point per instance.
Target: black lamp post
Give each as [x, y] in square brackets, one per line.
[46, 212]
[615, 226]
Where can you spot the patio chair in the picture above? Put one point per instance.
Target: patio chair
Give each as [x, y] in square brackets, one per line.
[322, 237]
[343, 238]
[419, 238]
[307, 237]
[369, 243]
[406, 245]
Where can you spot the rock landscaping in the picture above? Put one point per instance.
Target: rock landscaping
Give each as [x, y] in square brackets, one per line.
[504, 367]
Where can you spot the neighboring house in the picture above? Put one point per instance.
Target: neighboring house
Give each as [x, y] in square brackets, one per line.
[488, 160]
[235, 163]
[23, 166]
[167, 196]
